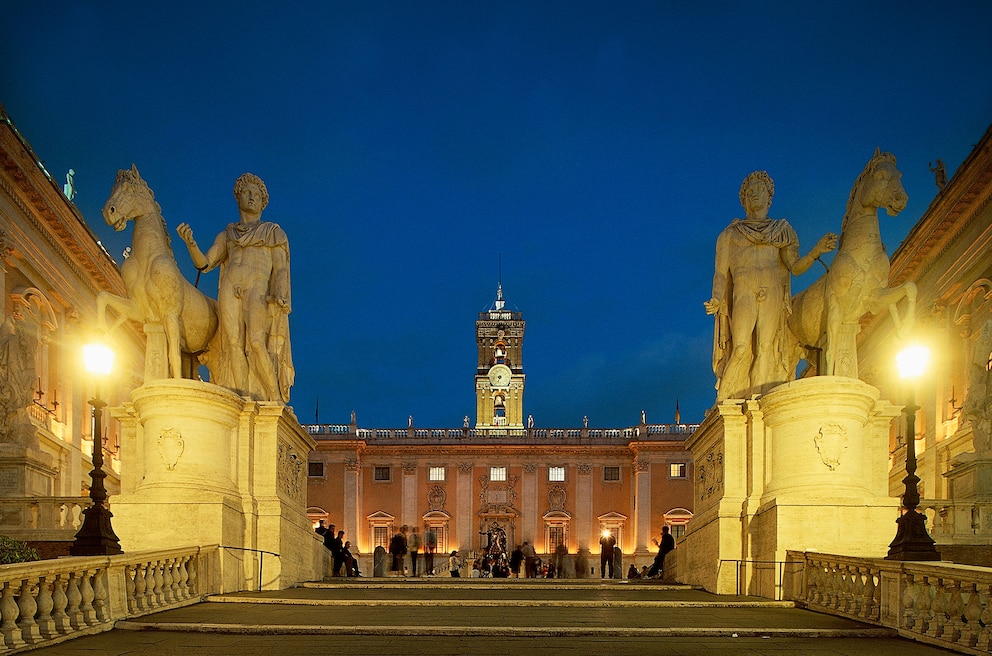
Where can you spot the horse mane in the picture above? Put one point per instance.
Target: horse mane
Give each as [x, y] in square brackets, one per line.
[132, 178]
[870, 167]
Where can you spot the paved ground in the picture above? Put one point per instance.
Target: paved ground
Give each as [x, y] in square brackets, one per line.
[484, 618]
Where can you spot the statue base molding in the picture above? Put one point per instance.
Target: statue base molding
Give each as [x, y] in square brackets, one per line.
[803, 467]
[206, 466]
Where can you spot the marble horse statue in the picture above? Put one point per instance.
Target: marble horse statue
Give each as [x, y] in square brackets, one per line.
[157, 292]
[825, 317]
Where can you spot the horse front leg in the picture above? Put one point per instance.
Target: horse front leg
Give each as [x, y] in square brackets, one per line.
[125, 308]
[890, 298]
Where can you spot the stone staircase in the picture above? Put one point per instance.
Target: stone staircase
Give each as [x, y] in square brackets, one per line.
[492, 616]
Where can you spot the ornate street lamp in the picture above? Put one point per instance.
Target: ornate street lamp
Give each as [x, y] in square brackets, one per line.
[96, 536]
[912, 542]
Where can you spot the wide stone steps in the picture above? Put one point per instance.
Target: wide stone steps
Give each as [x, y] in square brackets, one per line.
[500, 608]
[481, 617]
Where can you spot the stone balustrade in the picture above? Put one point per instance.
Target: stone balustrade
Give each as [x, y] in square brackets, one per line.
[942, 604]
[412, 435]
[49, 601]
[42, 518]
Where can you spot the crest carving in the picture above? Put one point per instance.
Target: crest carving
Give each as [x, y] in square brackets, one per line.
[831, 442]
[436, 498]
[556, 498]
[170, 447]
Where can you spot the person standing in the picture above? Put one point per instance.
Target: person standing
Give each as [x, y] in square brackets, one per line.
[755, 259]
[606, 545]
[413, 546]
[397, 549]
[430, 548]
[666, 545]
[516, 558]
[454, 564]
[253, 356]
[337, 551]
[530, 560]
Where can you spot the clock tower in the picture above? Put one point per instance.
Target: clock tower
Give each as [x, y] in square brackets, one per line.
[499, 377]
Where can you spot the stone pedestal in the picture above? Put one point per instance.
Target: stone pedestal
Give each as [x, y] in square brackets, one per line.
[205, 466]
[26, 472]
[802, 467]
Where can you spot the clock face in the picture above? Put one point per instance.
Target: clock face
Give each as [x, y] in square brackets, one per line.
[499, 376]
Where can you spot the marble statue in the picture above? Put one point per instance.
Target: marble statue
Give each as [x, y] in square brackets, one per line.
[825, 316]
[755, 259]
[69, 188]
[252, 356]
[18, 350]
[939, 174]
[977, 408]
[157, 292]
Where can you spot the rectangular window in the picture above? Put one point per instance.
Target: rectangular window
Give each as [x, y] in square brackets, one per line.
[678, 530]
[556, 474]
[435, 474]
[676, 470]
[380, 474]
[380, 537]
[497, 473]
[611, 473]
[315, 469]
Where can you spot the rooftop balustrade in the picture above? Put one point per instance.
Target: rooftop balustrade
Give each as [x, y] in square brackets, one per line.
[571, 436]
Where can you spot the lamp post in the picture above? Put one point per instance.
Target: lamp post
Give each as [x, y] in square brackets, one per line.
[96, 536]
[912, 542]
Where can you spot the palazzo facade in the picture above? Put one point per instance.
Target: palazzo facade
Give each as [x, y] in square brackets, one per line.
[948, 254]
[547, 486]
[51, 269]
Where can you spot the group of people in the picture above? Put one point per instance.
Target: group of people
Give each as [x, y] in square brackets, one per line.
[407, 542]
[340, 550]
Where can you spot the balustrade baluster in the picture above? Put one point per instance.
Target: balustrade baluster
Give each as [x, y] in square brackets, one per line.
[140, 602]
[86, 598]
[59, 602]
[74, 597]
[150, 585]
[27, 607]
[101, 602]
[46, 624]
[192, 571]
[984, 640]
[924, 599]
[10, 612]
[159, 583]
[167, 591]
[937, 604]
[184, 577]
[954, 608]
[129, 574]
[910, 591]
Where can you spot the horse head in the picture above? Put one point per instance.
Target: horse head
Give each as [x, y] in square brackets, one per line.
[130, 198]
[880, 185]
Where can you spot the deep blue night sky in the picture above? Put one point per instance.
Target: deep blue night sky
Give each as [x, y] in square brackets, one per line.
[596, 146]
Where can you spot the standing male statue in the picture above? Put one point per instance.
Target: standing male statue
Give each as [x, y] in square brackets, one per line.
[755, 257]
[253, 356]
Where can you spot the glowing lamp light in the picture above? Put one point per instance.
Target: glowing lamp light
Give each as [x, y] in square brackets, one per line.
[98, 358]
[912, 361]
[606, 533]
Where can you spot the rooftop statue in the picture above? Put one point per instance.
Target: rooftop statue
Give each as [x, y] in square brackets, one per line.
[157, 292]
[755, 259]
[253, 355]
[826, 316]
